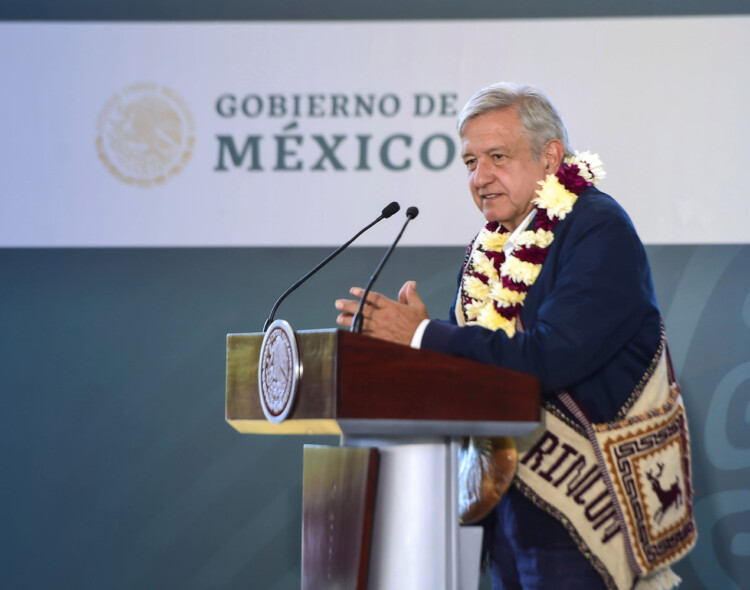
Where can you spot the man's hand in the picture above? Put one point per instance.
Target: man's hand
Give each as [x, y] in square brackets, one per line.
[395, 321]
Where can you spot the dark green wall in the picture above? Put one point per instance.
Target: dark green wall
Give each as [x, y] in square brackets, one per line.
[120, 472]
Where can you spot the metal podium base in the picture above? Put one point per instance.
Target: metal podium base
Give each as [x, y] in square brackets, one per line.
[416, 541]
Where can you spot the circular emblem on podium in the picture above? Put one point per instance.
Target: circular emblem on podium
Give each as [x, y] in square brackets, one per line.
[278, 371]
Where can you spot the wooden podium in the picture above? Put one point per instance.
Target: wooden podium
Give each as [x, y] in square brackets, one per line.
[380, 511]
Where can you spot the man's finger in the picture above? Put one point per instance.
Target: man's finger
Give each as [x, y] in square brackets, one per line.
[412, 297]
[374, 299]
[344, 319]
[347, 306]
[406, 290]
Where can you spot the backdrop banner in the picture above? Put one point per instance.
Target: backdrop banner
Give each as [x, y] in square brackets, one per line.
[294, 134]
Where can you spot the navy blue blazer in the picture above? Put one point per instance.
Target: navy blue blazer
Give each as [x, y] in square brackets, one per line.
[592, 325]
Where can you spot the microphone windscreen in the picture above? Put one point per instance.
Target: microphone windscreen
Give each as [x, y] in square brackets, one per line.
[412, 212]
[390, 209]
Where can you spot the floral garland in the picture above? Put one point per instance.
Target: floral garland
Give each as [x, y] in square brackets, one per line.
[493, 288]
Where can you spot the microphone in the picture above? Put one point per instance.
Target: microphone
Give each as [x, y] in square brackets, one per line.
[357, 320]
[387, 211]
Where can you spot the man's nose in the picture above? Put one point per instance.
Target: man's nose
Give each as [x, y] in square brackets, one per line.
[482, 174]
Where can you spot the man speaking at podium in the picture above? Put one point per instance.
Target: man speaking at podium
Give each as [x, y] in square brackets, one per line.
[556, 285]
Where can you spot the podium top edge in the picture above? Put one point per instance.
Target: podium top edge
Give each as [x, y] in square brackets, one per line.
[315, 331]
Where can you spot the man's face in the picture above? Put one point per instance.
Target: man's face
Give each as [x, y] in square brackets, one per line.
[503, 174]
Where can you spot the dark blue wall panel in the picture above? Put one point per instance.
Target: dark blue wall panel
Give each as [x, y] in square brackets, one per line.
[203, 10]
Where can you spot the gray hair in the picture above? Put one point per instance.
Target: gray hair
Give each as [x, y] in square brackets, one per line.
[537, 113]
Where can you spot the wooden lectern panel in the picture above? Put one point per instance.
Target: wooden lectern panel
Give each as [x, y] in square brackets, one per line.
[355, 384]
[428, 385]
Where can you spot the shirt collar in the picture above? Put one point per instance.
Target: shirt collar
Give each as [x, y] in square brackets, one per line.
[510, 245]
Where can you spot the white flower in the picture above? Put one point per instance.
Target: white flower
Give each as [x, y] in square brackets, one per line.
[541, 238]
[520, 271]
[591, 166]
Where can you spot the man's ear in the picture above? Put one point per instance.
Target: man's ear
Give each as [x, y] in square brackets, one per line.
[552, 155]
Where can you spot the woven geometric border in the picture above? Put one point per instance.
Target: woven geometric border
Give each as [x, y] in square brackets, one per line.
[657, 506]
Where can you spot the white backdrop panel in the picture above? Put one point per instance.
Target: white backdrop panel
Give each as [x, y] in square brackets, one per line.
[662, 100]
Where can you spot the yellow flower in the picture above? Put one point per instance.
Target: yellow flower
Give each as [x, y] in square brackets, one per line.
[473, 309]
[483, 265]
[493, 241]
[506, 297]
[489, 318]
[475, 288]
[555, 198]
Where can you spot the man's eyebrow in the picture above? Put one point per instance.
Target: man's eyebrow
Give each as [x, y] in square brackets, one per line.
[494, 148]
[497, 148]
